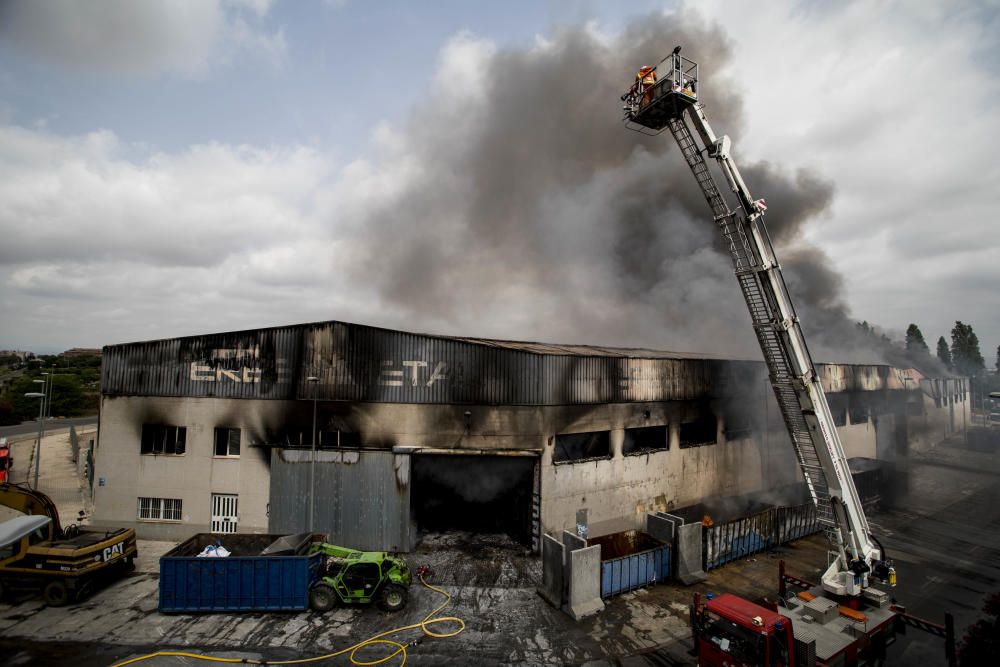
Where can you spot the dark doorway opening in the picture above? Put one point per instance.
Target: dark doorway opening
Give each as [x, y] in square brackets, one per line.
[477, 494]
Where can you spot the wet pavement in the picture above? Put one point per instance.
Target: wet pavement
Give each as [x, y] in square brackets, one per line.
[944, 535]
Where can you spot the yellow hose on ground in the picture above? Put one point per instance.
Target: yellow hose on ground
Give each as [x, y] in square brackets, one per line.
[400, 648]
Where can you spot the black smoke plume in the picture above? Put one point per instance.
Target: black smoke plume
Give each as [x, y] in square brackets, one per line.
[516, 205]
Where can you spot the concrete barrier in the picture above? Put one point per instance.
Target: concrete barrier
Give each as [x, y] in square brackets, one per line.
[661, 528]
[583, 582]
[573, 541]
[690, 566]
[553, 563]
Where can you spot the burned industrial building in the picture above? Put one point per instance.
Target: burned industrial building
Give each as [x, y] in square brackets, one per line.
[418, 433]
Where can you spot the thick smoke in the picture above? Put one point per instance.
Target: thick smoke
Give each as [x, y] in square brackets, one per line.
[517, 205]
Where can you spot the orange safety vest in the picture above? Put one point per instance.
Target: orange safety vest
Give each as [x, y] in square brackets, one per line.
[646, 75]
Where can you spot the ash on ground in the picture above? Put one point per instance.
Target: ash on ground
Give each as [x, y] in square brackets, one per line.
[462, 558]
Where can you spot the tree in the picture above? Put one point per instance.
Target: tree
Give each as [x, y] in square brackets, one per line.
[67, 396]
[943, 353]
[915, 342]
[965, 355]
[68, 399]
[981, 644]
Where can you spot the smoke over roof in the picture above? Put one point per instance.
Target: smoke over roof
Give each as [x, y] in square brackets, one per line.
[515, 204]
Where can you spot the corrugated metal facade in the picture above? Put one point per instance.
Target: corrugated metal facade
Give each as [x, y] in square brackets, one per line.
[359, 363]
[362, 497]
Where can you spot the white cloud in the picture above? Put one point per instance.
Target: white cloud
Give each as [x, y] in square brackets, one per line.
[75, 197]
[897, 105]
[221, 237]
[145, 37]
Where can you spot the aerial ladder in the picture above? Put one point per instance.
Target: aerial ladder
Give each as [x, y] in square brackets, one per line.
[665, 98]
[672, 104]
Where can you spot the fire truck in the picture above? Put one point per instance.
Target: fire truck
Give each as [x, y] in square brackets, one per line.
[6, 461]
[849, 617]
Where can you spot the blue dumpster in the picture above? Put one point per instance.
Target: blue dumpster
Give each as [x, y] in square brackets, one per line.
[262, 573]
[630, 560]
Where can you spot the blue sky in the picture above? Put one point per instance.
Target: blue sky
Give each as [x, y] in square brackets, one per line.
[344, 67]
[174, 168]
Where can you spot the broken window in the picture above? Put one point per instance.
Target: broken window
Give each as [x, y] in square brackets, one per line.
[838, 408]
[645, 439]
[582, 446]
[858, 414]
[705, 431]
[227, 442]
[738, 426]
[339, 439]
[163, 439]
[159, 509]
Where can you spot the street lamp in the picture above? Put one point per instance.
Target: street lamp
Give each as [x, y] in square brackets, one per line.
[48, 392]
[312, 379]
[38, 445]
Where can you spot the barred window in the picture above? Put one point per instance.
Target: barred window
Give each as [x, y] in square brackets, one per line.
[159, 509]
[227, 442]
[163, 439]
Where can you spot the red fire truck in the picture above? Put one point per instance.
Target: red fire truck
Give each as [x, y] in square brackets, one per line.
[6, 461]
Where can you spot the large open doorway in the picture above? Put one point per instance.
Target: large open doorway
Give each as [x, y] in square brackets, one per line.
[480, 494]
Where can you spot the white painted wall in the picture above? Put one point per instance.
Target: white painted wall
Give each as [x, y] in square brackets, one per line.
[616, 492]
[124, 475]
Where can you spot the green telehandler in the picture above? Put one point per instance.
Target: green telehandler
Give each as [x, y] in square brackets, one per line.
[359, 577]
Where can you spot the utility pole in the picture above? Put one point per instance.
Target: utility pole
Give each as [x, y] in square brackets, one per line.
[312, 380]
[38, 444]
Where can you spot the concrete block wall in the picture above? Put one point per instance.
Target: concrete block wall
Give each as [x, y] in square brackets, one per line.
[618, 492]
[123, 474]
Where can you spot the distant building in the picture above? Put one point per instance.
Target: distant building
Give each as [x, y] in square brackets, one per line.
[76, 352]
[418, 432]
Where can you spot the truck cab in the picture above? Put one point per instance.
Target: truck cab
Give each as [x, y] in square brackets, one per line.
[6, 461]
[732, 632]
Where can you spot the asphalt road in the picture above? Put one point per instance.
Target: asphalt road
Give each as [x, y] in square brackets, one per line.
[28, 428]
[943, 532]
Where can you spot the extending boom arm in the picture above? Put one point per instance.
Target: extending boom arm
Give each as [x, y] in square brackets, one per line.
[672, 105]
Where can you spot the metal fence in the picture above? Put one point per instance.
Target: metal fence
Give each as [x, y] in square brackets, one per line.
[796, 522]
[627, 573]
[74, 443]
[732, 540]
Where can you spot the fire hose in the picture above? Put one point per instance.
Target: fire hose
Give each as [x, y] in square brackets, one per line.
[399, 648]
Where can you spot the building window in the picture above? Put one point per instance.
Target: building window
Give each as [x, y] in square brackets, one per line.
[163, 439]
[705, 431]
[339, 440]
[571, 447]
[738, 426]
[644, 440]
[159, 509]
[227, 442]
[858, 414]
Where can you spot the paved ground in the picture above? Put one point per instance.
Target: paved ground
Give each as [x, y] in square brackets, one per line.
[944, 535]
[51, 424]
[59, 476]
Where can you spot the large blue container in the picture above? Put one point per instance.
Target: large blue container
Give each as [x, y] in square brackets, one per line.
[630, 560]
[244, 581]
[621, 575]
